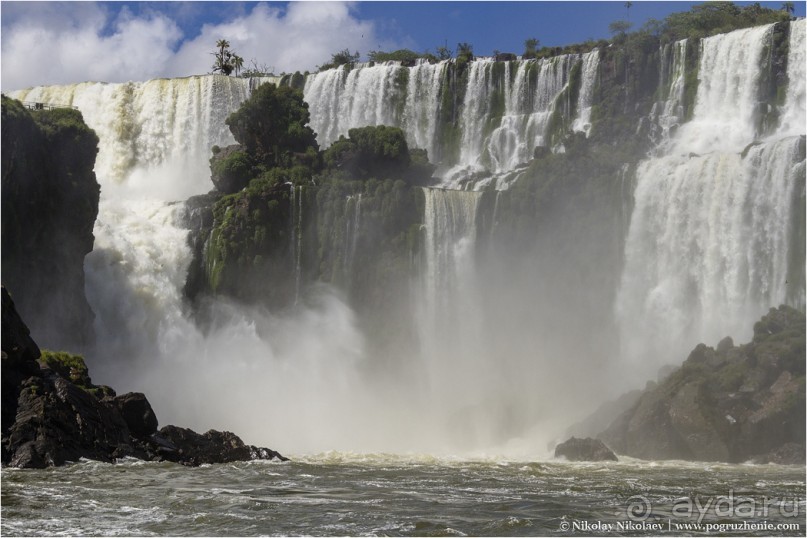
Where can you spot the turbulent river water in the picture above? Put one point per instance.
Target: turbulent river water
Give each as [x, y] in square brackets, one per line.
[377, 494]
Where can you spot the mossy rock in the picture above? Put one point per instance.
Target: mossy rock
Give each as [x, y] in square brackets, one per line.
[67, 365]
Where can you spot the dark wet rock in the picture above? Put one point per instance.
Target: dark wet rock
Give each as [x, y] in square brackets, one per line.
[19, 355]
[59, 422]
[198, 218]
[53, 414]
[733, 403]
[541, 152]
[787, 454]
[18, 346]
[587, 449]
[50, 201]
[137, 413]
[186, 446]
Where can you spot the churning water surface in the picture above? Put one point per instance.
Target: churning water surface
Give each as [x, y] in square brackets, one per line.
[378, 494]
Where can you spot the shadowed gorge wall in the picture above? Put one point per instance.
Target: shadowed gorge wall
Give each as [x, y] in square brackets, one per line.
[50, 201]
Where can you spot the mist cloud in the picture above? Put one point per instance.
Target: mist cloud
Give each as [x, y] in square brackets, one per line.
[61, 43]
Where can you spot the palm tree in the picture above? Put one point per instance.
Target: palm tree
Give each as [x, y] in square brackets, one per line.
[223, 45]
[224, 58]
[238, 63]
[789, 7]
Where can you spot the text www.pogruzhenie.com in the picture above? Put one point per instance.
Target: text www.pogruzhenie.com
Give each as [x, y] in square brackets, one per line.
[687, 514]
[675, 527]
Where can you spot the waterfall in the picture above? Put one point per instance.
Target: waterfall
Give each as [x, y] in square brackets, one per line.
[450, 221]
[591, 65]
[296, 227]
[669, 113]
[708, 245]
[155, 140]
[460, 376]
[154, 144]
[451, 318]
[341, 99]
[155, 136]
[475, 111]
[794, 109]
[506, 108]
[728, 89]
[352, 227]
[423, 107]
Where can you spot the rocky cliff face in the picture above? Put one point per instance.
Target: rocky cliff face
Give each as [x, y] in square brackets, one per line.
[49, 204]
[732, 403]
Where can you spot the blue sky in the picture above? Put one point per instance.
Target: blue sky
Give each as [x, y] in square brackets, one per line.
[66, 42]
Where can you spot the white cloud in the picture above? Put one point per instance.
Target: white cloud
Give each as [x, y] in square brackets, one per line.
[37, 48]
[60, 43]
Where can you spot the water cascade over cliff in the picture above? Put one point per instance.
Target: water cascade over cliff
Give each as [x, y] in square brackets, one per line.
[505, 110]
[514, 300]
[709, 248]
[450, 324]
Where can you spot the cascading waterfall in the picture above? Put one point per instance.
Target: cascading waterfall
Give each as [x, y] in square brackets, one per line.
[341, 99]
[669, 113]
[794, 110]
[351, 240]
[459, 371]
[155, 140]
[450, 221]
[423, 107]
[297, 237]
[591, 65]
[496, 145]
[708, 247]
[505, 111]
[162, 127]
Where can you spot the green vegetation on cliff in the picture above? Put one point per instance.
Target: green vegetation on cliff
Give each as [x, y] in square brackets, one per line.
[713, 18]
[272, 126]
[288, 214]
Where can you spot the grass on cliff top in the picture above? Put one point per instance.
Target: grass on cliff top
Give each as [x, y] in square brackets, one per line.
[67, 365]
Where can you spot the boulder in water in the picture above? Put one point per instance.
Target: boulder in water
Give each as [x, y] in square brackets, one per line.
[192, 448]
[587, 449]
[137, 412]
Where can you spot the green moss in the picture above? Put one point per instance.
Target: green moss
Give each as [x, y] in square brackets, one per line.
[67, 365]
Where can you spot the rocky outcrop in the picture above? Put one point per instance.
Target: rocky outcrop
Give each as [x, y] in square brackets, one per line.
[733, 403]
[212, 447]
[49, 205]
[587, 449]
[54, 414]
